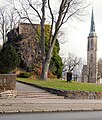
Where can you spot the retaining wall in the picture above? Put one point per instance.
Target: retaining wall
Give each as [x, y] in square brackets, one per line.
[7, 82]
[77, 94]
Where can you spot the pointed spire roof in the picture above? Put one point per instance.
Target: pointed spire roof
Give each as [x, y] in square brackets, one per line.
[92, 28]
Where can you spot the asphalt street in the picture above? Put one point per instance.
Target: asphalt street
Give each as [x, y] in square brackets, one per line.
[96, 115]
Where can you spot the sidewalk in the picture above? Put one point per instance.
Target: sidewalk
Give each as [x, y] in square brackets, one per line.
[22, 105]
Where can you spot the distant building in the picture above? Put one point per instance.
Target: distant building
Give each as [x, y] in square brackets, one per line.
[90, 71]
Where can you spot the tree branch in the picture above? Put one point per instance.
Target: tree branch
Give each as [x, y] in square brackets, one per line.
[34, 9]
[52, 23]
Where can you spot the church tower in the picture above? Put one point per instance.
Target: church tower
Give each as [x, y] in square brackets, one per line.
[92, 53]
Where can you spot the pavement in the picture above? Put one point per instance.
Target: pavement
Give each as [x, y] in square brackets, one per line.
[36, 104]
[23, 105]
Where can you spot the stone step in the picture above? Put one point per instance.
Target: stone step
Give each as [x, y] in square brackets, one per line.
[37, 95]
[31, 91]
[44, 95]
[53, 97]
[34, 95]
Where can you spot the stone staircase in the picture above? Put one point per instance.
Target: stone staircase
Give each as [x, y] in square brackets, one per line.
[37, 94]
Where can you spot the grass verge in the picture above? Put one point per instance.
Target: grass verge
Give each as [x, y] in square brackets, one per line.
[63, 85]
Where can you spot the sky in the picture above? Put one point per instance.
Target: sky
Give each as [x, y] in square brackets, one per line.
[77, 36]
[77, 32]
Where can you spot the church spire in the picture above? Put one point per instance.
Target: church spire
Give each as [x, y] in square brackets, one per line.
[92, 28]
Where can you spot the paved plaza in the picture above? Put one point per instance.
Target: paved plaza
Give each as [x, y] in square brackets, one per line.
[17, 105]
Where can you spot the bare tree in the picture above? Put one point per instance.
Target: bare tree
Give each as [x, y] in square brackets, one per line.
[77, 72]
[99, 68]
[88, 70]
[43, 38]
[3, 24]
[71, 63]
[66, 10]
[8, 21]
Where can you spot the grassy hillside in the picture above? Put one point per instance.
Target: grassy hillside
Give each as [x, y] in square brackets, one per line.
[63, 85]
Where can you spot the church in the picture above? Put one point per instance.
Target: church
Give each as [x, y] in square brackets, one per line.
[90, 71]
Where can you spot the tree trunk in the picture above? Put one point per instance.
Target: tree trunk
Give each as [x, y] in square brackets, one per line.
[43, 35]
[88, 79]
[45, 67]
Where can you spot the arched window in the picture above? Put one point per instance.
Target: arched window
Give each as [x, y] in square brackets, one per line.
[91, 43]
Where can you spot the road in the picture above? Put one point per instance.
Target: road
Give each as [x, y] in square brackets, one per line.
[96, 115]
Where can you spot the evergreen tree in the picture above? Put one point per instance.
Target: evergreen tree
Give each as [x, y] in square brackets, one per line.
[9, 59]
[56, 65]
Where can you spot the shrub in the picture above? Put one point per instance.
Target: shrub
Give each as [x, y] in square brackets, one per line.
[50, 75]
[9, 59]
[24, 75]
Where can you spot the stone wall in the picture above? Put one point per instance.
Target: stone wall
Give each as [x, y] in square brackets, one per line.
[7, 82]
[75, 94]
[27, 45]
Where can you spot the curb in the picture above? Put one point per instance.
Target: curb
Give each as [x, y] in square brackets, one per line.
[46, 111]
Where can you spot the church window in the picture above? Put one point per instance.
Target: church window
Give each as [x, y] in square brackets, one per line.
[91, 43]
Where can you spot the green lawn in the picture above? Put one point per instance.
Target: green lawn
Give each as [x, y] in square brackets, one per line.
[63, 85]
